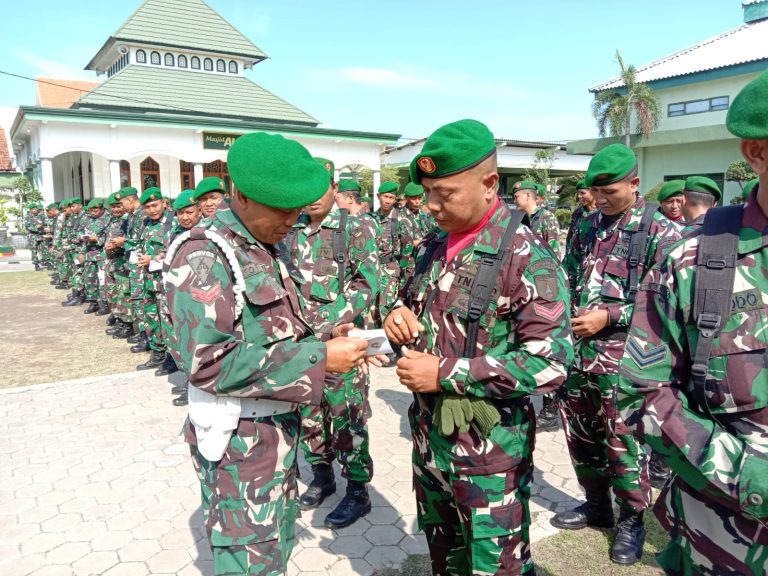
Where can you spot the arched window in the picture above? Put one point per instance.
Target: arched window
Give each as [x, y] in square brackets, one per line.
[219, 169]
[125, 173]
[187, 172]
[154, 58]
[195, 63]
[150, 173]
[182, 61]
[169, 60]
[208, 64]
[232, 67]
[141, 57]
[221, 66]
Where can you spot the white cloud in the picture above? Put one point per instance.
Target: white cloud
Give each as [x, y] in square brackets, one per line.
[51, 68]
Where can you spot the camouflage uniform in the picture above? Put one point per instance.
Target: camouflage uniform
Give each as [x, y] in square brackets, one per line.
[34, 224]
[49, 229]
[423, 223]
[94, 255]
[338, 426]
[76, 246]
[472, 492]
[576, 218]
[240, 334]
[545, 224]
[60, 247]
[152, 244]
[395, 243]
[604, 453]
[115, 272]
[716, 506]
[135, 285]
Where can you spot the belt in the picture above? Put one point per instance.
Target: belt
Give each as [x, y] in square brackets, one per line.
[612, 333]
[264, 407]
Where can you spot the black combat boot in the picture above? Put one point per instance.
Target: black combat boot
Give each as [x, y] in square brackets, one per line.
[179, 389]
[111, 320]
[549, 417]
[55, 279]
[597, 511]
[658, 471]
[355, 504]
[323, 485]
[78, 297]
[136, 338]
[167, 367]
[126, 331]
[103, 309]
[63, 285]
[38, 267]
[93, 306]
[630, 536]
[182, 400]
[155, 359]
[116, 327]
[141, 343]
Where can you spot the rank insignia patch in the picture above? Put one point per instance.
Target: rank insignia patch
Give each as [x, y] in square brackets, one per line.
[643, 357]
[550, 314]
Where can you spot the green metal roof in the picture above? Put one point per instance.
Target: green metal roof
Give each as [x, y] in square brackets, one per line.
[192, 93]
[185, 24]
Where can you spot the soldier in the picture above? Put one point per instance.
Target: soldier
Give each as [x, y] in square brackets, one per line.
[338, 260]
[541, 220]
[59, 246]
[422, 221]
[250, 358]
[94, 237]
[695, 374]
[401, 200]
[611, 252]
[700, 194]
[115, 272]
[51, 212]
[35, 224]
[587, 207]
[75, 254]
[209, 194]
[348, 196]
[473, 361]
[671, 200]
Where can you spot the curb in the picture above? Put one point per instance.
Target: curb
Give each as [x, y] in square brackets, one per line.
[89, 380]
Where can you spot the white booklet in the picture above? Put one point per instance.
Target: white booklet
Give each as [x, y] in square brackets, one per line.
[377, 341]
[155, 265]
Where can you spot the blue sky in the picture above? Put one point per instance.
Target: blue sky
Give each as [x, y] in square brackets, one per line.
[403, 67]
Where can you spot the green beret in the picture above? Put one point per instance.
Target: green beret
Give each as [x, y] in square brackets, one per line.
[413, 190]
[366, 199]
[209, 184]
[541, 190]
[328, 165]
[348, 185]
[95, 203]
[526, 185]
[671, 188]
[748, 187]
[748, 114]
[127, 191]
[75, 200]
[275, 171]
[185, 200]
[151, 194]
[452, 149]
[581, 185]
[51, 206]
[389, 187]
[703, 184]
[112, 199]
[401, 195]
[612, 164]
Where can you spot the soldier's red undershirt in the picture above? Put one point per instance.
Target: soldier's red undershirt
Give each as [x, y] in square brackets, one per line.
[457, 241]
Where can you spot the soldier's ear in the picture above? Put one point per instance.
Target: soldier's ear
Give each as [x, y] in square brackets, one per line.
[755, 152]
[490, 183]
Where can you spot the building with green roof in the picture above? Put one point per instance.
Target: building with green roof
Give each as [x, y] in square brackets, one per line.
[173, 99]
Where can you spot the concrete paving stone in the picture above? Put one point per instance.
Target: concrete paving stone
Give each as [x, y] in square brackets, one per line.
[198, 568]
[68, 553]
[168, 561]
[55, 498]
[317, 559]
[187, 519]
[152, 529]
[315, 537]
[138, 503]
[357, 529]
[138, 550]
[408, 523]
[111, 540]
[165, 509]
[99, 512]
[414, 544]
[150, 488]
[9, 551]
[128, 569]
[20, 533]
[84, 531]
[19, 505]
[85, 469]
[22, 565]
[58, 570]
[388, 535]
[42, 543]
[352, 567]
[178, 539]
[37, 514]
[350, 547]
[382, 515]
[33, 490]
[138, 468]
[123, 482]
[105, 475]
[383, 556]
[60, 522]
[10, 520]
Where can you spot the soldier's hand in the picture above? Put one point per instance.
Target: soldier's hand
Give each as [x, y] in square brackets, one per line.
[342, 330]
[345, 353]
[119, 242]
[402, 326]
[419, 371]
[143, 260]
[590, 323]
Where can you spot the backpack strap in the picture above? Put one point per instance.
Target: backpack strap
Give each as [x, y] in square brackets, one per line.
[339, 243]
[713, 290]
[485, 281]
[638, 248]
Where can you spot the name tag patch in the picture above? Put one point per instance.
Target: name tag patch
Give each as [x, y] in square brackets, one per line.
[746, 300]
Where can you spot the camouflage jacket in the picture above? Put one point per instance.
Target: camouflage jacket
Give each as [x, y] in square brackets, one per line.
[598, 276]
[395, 240]
[720, 454]
[524, 343]
[95, 227]
[578, 215]
[311, 250]
[423, 223]
[116, 228]
[34, 223]
[59, 229]
[136, 221]
[74, 231]
[236, 314]
[693, 225]
[151, 243]
[545, 224]
[50, 225]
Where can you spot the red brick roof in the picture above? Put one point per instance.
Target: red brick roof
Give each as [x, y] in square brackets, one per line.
[5, 157]
[53, 93]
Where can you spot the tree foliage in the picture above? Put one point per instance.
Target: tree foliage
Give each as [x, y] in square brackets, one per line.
[388, 173]
[740, 172]
[613, 109]
[652, 195]
[543, 161]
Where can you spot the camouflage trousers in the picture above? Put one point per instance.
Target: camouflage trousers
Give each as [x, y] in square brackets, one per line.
[115, 282]
[135, 294]
[91, 281]
[475, 524]
[76, 279]
[390, 286]
[35, 243]
[63, 267]
[150, 320]
[707, 538]
[46, 252]
[249, 496]
[603, 450]
[338, 427]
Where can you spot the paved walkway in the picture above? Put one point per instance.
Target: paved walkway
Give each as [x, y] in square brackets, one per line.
[95, 480]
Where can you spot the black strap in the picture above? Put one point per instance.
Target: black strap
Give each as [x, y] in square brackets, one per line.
[339, 243]
[393, 231]
[638, 248]
[423, 262]
[485, 281]
[713, 290]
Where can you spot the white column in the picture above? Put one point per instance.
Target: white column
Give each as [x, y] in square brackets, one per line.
[374, 194]
[114, 175]
[198, 173]
[46, 171]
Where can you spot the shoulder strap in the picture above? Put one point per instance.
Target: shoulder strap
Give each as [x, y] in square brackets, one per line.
[339, 241]
[393, 232]
[638, 247]
[485, 281]
[713, 289]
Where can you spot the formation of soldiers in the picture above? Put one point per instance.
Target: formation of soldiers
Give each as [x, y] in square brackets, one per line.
[646, 336]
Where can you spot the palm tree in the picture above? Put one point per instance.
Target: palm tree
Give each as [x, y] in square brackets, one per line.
[613, 109]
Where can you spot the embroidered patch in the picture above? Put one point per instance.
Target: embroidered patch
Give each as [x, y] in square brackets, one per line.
[746, 300]
[206, 295]
[426, 164]
[201, 262]
[645, 358]
[358, 241]
[546, 286]
[251, 269]
[550, 314]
